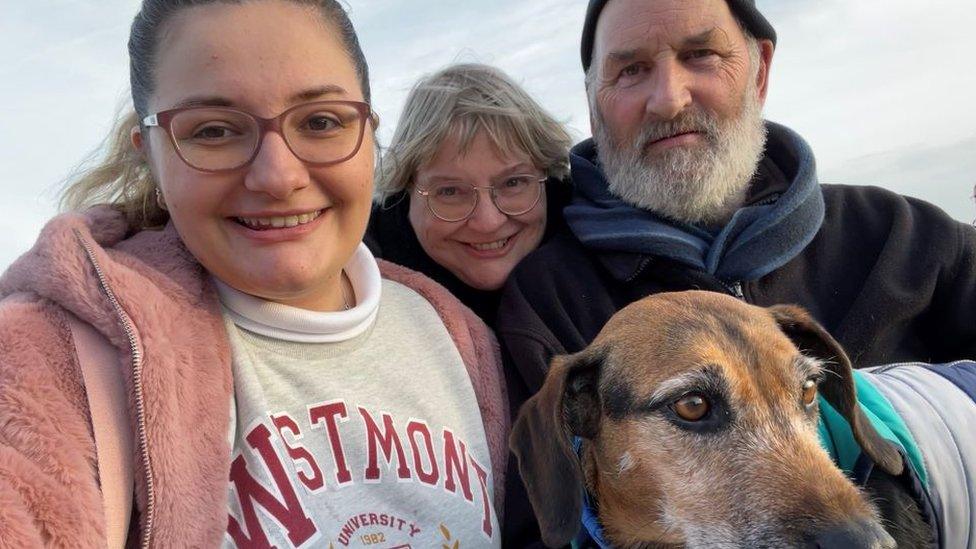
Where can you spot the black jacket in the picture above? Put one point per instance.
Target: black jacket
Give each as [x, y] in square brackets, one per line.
[892, 278]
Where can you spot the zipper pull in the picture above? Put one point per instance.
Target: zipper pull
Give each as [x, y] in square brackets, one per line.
[736, 290]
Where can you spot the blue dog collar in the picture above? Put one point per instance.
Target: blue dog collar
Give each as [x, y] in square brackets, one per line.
[592, 530]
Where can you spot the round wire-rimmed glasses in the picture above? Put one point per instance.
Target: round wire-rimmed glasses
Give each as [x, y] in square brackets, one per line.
[222, 139]
[454, 201]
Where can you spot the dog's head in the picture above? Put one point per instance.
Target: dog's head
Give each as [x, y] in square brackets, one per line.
[699, 419]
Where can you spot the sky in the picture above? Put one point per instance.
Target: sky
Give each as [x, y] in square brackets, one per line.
[882, 89]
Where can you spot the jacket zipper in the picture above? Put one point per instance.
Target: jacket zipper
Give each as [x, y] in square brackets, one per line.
[735, 288]
[136, 351]
[640, 269]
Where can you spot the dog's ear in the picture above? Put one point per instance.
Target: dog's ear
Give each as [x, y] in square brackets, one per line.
[838, 385]
[567, 405]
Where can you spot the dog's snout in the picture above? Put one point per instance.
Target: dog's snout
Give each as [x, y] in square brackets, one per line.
[853, 535]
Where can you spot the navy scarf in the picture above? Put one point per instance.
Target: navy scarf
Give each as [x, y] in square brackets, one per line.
[756, 241]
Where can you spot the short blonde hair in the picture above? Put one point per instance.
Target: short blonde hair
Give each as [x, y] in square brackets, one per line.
[461, 100]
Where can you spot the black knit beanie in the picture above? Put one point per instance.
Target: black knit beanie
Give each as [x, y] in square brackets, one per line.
[744, 10]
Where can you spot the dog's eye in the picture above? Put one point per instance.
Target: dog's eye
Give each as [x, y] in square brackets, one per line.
[691, 407]
[809, 392]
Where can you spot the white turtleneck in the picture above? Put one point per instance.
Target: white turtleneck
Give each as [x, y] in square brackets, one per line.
[296, 325]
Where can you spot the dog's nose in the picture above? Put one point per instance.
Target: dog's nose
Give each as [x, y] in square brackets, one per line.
[853, 535]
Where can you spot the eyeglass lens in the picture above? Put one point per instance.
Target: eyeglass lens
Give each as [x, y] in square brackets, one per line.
[454, 201]
[218, 139]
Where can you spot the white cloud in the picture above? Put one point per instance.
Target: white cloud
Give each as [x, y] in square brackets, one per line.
[882, 89]
[870, 76]
[944, 175]
[62, 73]
[534, 41]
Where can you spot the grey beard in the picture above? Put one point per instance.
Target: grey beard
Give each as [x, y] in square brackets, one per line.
[700, 185]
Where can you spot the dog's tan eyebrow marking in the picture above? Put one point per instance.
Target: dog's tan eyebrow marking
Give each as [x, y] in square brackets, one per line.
[706, 377]
[808, 366]
[619, 400]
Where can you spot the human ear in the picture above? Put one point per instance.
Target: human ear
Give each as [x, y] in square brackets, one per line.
[766, 50]
[135, 136]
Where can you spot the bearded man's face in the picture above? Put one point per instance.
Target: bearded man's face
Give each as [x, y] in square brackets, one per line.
[677, 99]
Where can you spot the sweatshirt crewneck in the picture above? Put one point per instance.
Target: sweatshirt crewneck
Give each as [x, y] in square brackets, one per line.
[356, 428]
[286, 323]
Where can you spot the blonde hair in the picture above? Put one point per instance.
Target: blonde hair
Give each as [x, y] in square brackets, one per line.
[119, 177]
[461, 100]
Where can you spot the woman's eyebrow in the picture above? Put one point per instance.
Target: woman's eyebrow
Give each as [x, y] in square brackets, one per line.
[221, 101]
[204, 101]
[317, 93]
[516, 168]
[437, 178]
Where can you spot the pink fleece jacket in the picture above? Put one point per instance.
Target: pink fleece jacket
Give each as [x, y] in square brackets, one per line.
[49, 492]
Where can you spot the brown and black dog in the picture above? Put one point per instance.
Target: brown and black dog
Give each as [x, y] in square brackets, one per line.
[698, 416]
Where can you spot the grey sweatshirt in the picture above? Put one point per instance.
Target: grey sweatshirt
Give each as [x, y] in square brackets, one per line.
[375, 440]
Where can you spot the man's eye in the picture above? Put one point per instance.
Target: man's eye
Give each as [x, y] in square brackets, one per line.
[631, 70]
[700, 54]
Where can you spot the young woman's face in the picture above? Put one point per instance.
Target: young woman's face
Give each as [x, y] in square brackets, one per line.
[483, 249]
[262, 57]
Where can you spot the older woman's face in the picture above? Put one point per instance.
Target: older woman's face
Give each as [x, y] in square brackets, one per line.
[277, 228]
[483, 249]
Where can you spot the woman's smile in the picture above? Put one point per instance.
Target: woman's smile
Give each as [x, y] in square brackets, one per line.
[269, 229]
[493, 249]
[270, 222]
